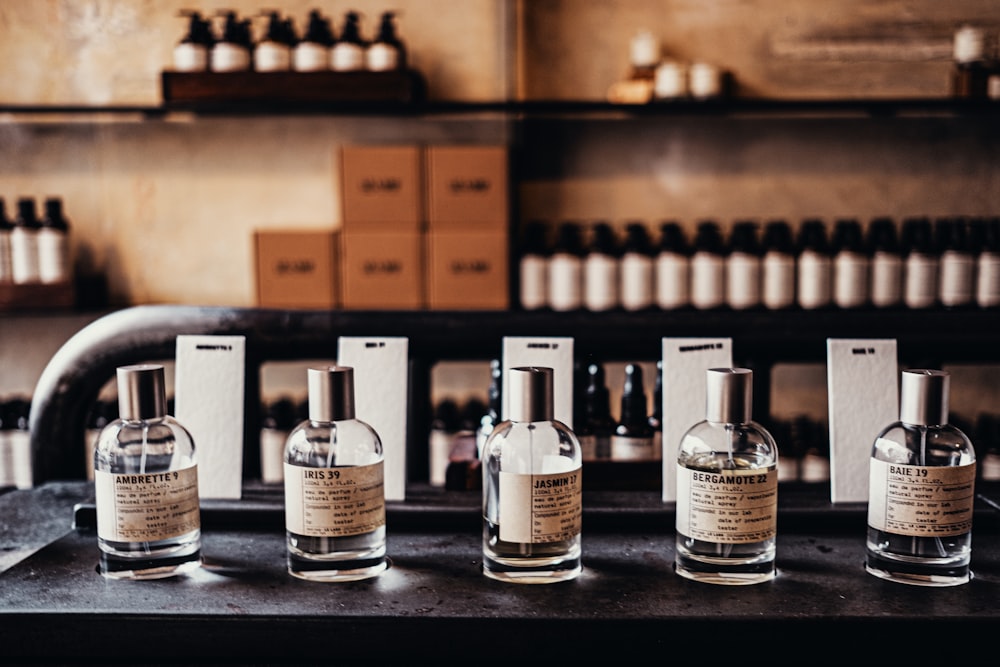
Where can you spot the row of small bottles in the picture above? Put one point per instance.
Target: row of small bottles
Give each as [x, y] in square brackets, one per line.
[281, 48]
[34, 249]
[948, 262]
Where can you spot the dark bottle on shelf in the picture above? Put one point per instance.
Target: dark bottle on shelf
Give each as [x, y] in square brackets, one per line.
[920, 264]
[778, 266]
[632, 439]
[814, 276]
[278, 419]
[594, 424]
[656, 411]
[637, 268]
[24, 243]
[851, 265]
[708, 267]
[348, 52]
[444, 426]
[533, 267]
[673, 268]
[231, 52]
[957, 264]
[988, 264]
[565, 269]
[54, 264]
[191, 53]
[743, 267]
[6, 227]
[886, 263]
[601, 270]
[312, 52]
[387, 52]
[273, 53]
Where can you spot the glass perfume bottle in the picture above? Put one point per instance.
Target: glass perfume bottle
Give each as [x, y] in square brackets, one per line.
[727, 488]
[532, 509]
[921, 490]
[146, 484]
[334, 486]
[594, 425]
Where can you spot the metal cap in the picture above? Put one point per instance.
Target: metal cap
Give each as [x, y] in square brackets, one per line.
[142, 393]
[331, 393]
[729, 395]
[923, 397]
[530, 394]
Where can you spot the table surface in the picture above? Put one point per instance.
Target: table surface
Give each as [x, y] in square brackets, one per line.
[434, 603]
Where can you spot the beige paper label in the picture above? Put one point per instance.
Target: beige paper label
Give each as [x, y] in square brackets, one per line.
[728, 506]
[921, 501]
[146, 507]
[334, 502]
[535, 509]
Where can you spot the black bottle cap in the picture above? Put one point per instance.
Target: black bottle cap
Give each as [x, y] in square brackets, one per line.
[534, 239]
[318, 30]
[743, 237]
[917, 235]
[199, 30]
[951, 234]
[882, 236]
[568, 238]
[280, 414]
[603, 240]
[778, 237]
[5, 222]
[634, 404]
[847, 235]
[351, 31]
[472, 413]
[275, 28]
[27, 215]
[232, 29]
[708, 237]
[387, 29]
[54, 214]
[637, 239]
[672, 238]
[812, 236]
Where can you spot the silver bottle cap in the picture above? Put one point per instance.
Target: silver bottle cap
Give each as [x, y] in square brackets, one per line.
[142, 392]
[729, 395]
[923, 397]
[331, 393]
[530, 394]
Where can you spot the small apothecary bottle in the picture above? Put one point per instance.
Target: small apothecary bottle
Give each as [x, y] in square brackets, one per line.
[601, 270]
[146, 484]
[632, 439]
[727, 464]
[333, 465]
[778, 266]
[708, 267]
[532, 500]
[921, 490]
[637, 269]
[673, 268]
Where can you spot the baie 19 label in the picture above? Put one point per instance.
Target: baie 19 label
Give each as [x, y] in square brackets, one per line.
[921, 501]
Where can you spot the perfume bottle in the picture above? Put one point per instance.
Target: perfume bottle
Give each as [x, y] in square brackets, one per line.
[594, 425]
[348, 52]
[532, 507]
[565, 269]
[957, 264]
[778, 266]
[851, 265]
[886, 263]
[312, 53]
[278, 420]
[921, 264]
[601, 273]
[743, 267]
[921, 490]
[334, 468]
[191, 53]
[708, 268]
[656, 412]
[146, 484]
[53, 244]
[673, 268]
[814, 277]
[273, 53]
[632, 439]
[727, 488]
[387, 52]
[533, 267]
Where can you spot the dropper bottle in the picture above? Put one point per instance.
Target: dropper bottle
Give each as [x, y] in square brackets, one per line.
[632, 439]
[312, 53]
[348, 52]
[273, 52]
[191, 53]
[231, 52]
[387, 52]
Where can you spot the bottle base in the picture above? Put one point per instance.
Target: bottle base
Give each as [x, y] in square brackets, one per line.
[520, 572]
[917, 574]
[336, 570]
[725, 574]
[114, 567]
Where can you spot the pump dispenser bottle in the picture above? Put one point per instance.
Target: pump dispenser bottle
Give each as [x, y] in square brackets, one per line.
[334, 466]
[533, 267]
[312, 53]
[565, 269]
[743, 267]
[921, 490]
[348, 52]
[814, 276]
[531, 462]
[633, 439]
[987, 265]
[673, 268]
[146, 484]
[273, 53]
[24, 243]
[851, 265]
[6, 227]
[957, 264]
[53, 244]
[708, 268]
[387, 52]
[637, 269]
[778, 266]
[601, 270]
[921, 264]
[231, 53]
[727, 488]
[191, 53]
[886, 263]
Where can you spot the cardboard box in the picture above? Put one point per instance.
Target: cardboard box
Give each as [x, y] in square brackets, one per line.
[382, 270]
[381, 187]
[468, 270]
[296, 269]
[467, 186]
